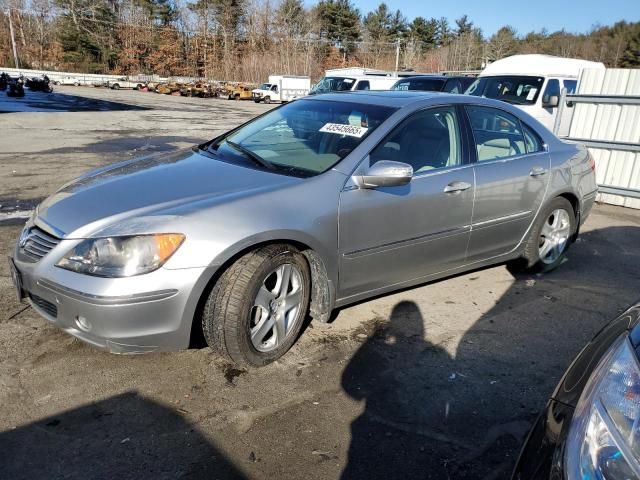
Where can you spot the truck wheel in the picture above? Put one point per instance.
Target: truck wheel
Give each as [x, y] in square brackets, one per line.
[116, 86]
[139, 87]
[76, 84]
[550, 237]
[257, 308]
[267, 99]
[237, 97]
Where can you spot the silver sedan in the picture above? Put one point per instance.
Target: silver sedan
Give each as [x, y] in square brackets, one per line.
[317, 204]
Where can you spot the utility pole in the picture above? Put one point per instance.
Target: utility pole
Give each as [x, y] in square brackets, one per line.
[13, 40]
[397, 55]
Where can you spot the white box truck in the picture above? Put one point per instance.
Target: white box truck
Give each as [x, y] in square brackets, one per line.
[282, 88]
[356, 78]
[532, 82]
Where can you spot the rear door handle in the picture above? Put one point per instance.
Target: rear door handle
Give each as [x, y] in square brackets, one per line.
[537, 171]
[457, 187]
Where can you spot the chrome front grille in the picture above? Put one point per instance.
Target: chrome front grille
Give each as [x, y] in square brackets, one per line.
[47, 307]
[36, 244]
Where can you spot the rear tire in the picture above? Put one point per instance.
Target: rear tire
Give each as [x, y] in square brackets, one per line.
[550, 237]
[267, 99]
[256, 310]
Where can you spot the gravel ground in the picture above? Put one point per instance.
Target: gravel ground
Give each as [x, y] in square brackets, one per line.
[439, 381]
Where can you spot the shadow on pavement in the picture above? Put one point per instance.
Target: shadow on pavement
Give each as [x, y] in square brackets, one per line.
[432, 414]
[60, 102]
[126, 436]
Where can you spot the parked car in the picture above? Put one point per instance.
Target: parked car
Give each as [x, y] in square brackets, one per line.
[532, 82]
[75, 81]
[314, 205]
[124, 82]
[591, 424]
[434, 83]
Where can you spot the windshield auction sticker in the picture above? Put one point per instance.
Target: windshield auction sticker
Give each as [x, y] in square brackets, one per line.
[340, 129]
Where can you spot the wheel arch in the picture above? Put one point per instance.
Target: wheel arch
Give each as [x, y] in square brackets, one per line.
[573, 199]
[322, 287]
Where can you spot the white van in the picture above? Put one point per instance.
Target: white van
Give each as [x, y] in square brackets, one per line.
[532, 82]
[351, 79]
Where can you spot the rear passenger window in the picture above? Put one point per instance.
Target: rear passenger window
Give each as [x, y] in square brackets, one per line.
[532, 140]
[363, 85]
[497, 133]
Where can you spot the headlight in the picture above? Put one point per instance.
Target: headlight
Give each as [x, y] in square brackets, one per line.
[121, 256]
[604, 438]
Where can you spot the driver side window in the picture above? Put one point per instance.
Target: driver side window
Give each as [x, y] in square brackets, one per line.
[428, 140]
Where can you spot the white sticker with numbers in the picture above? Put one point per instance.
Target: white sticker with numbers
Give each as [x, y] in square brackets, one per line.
[341, 129]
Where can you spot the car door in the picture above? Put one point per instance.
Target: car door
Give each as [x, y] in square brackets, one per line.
[511, 173]
[392, 235]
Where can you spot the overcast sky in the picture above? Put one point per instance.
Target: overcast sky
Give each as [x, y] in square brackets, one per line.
[489, 15]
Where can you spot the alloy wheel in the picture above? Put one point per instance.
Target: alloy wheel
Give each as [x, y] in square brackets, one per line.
[276, 308]
[554, 236]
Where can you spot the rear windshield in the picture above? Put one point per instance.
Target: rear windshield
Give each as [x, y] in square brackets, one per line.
[333, 84]
[423, 84]
[519, 90]
[304, 137]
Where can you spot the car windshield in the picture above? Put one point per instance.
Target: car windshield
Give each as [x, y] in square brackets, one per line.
[302, 138]
[423, 84]
[333, 84]
[519, 90]
[265, 86]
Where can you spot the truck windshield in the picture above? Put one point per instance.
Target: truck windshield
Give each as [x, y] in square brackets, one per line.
[302, 138]
[333, 84]
[265, 86]
[519, 90]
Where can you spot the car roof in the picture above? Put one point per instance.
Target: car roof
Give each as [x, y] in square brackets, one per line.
[383, 98]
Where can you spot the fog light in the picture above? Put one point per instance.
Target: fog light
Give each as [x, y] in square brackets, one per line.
[83, 323]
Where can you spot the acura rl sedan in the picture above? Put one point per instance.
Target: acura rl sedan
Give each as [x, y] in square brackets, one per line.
[314, 205]
[590, 428]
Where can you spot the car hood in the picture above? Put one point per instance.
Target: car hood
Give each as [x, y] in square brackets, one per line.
[147, 186]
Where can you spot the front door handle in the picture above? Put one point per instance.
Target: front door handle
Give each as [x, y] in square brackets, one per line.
[457, 187]
[537, 171]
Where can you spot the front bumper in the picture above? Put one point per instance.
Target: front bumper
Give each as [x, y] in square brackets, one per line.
[542, 456]
[151, 312]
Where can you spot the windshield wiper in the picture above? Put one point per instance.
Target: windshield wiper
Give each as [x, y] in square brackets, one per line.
[252, 156]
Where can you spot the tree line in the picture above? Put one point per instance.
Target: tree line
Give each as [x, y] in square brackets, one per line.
[246, 40]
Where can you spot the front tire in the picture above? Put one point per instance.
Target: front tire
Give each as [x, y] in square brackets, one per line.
[550, 237]
[257, 308]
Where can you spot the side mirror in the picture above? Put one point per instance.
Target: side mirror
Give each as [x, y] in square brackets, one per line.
[551, 102]
[385, 173]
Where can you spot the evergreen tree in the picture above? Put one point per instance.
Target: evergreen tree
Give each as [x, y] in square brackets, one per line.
[631, 55]
[424, 31]
[339, 21]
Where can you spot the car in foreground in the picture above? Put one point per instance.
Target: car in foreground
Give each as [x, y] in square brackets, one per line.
[590, 428]
[317, 204]
[434, 83]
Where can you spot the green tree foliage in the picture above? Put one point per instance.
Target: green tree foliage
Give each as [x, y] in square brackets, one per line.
[87, 33]
[464, 26]
[339, 21]
[631, 54]
[424, 31]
